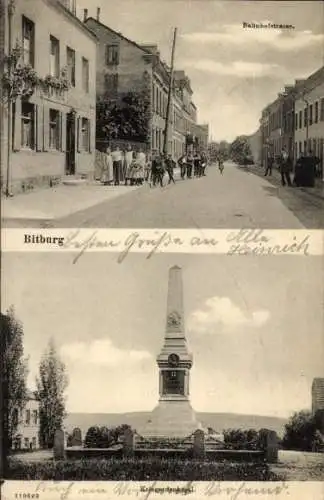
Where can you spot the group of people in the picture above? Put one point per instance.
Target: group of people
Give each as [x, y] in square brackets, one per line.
[134, 168]
[115, 167]
[304, 172]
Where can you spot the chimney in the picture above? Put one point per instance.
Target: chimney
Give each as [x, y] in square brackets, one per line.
[85, 15]
[98, 14]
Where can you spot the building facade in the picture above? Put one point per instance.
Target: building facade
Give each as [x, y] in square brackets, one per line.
[309, 118]
[50, 133]
[27, 434]
[125, 66]
[255, 143]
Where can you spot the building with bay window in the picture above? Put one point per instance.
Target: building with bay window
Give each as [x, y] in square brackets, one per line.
[51, 131]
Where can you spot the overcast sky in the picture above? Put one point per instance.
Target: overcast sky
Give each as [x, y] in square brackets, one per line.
[234, 72]
[254, 326]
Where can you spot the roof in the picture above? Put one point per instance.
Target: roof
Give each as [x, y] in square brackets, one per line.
[143, 49]
[68, 13]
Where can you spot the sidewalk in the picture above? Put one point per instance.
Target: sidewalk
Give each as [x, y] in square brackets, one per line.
[60, 201]
[275, 179]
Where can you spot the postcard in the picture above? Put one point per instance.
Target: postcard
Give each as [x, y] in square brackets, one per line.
[162, 324]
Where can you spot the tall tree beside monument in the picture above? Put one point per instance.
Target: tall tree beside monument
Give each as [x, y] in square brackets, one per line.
[14, 371]
[52, 382]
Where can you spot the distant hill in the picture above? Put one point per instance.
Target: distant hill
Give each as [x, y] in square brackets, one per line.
[218, 421]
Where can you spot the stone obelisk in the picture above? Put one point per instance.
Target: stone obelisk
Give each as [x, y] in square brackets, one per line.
[173, 416]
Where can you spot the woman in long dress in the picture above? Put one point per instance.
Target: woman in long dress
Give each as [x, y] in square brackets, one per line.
[107, 174]
[128, 164]
[141, 162]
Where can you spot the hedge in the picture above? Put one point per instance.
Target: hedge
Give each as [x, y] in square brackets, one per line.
[140, 470]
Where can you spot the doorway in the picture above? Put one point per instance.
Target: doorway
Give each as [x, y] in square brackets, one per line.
[70, 144]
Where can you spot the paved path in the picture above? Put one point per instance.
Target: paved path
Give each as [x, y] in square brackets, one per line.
[235, 200]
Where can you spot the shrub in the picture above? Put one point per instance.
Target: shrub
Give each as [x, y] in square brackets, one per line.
[103, 437]
[301, 432]
[237, 439]
[147, 469]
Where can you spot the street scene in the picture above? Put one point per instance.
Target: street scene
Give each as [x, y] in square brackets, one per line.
[123, 122]
[193, 379]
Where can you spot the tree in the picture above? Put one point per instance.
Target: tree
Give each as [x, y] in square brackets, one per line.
[125, 118]
[14, 372]
[240, 149]
[51, 385]
[300, 432]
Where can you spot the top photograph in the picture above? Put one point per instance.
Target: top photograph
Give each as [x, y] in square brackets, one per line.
[162, 114]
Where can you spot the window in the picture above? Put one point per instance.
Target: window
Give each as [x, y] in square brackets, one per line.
[70, 61]
[296, 121]
[311, 114]
[112, 55]
[305, 116]
[322, 109]
[54, 117]
[28, 29]
[27, 125]
[26, 442]
[85, 134]
[54, 57]
[35, 416]
[85, 75]
[300, 147]
[27, 419]
[316, 112]
[111, 83]
[300, 119]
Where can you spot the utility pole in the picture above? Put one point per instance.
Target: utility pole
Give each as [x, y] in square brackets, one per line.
[11, 11]
[168, 111]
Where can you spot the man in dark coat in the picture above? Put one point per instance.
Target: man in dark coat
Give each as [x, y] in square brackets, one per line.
[169, 164]
[285, 165]
[157, 169]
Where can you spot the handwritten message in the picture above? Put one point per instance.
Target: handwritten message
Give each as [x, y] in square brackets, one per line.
[123, 242]
[65, 490]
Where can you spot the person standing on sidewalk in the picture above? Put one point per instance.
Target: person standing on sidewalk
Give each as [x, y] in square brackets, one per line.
[190, 164]
[182, 164]
[107, 173]
[269, 166]
[169, 163]
[117, 165]
[128, 164]
[285, 165]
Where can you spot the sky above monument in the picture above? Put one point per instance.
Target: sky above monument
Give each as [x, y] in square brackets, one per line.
[234, 72]
[254, 326]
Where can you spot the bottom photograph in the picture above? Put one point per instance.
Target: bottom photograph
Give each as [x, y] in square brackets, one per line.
[173, 368]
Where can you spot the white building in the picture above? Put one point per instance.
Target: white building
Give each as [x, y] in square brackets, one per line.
[27, 432]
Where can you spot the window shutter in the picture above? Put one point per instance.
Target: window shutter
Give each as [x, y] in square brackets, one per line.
[16, 113]
[63, 131]
[39, 127]
[89, 135]
[78, 134]
[45, 128]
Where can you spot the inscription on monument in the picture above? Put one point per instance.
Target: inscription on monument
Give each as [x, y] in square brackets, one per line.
[173, 381]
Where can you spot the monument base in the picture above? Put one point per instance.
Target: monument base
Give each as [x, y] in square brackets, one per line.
[173, 419]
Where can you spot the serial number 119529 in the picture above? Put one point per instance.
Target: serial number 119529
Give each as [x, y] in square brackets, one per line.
[29, 496]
